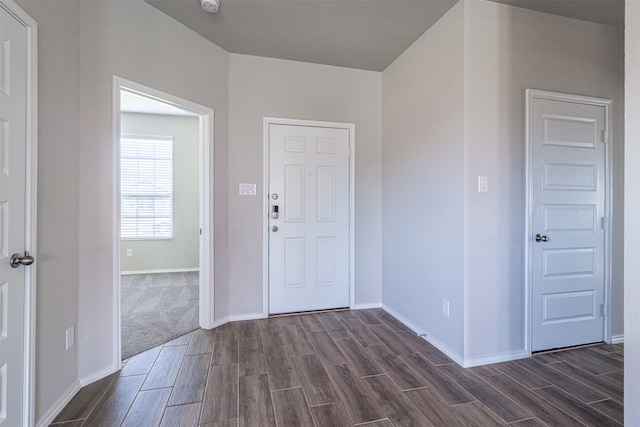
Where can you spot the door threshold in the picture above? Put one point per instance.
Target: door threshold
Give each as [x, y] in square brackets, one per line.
[297, 313]
[573, 347]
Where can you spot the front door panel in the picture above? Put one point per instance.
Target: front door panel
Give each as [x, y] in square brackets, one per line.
[309, 218]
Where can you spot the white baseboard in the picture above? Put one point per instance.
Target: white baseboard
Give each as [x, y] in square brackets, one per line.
[238, 317]
[102, 373]
[168, 270]
[57, 407]
[495, 358]
[366, 306]
[453, 355]
[617, 339]
[427, 336]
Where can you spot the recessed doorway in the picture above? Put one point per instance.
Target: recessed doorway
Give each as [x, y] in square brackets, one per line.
[163, 233]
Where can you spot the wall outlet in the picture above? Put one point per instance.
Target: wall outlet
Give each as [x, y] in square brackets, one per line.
[129, 252]
[445, 307]
[70, 337]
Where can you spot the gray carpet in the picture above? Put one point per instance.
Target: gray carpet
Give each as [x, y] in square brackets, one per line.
[156, 308]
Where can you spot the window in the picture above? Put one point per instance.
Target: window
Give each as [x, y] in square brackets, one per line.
[146, 188]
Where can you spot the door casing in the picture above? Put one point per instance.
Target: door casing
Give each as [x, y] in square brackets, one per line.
[532, 94]
[206, 217]
[267, 121]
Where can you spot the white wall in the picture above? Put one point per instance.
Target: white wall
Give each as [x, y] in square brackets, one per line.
[423, 181]
[263, 87]
[507, 50]
[57, 279]
[632, 213]
[135, 41]
[181, 251]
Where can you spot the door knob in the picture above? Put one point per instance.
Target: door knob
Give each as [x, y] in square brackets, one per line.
[17, 260]
[274, 228]
[541, 238]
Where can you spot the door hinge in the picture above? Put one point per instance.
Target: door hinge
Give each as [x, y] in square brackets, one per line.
[605, 309]
[605, 222]
[201, 231]
[605, 136]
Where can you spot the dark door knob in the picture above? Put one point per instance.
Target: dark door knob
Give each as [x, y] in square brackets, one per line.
[541, 238]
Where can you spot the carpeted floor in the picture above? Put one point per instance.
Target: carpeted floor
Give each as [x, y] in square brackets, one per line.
[156, 308]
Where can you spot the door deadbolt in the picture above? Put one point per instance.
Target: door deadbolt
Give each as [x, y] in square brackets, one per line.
[274, 228]
[274, 196]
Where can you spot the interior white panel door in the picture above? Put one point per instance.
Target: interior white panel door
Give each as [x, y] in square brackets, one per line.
[13, 111]
[568, 242]
[309, 218]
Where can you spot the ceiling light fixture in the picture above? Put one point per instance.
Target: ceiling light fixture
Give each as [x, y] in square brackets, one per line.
[210, 6]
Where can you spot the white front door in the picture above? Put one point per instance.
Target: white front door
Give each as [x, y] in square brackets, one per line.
[14, 280]
[308, 218]
[568, 236]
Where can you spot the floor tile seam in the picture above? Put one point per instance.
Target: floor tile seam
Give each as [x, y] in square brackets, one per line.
[607, 415]
[521, 383]
[503, 393]
[583, 369]
[506, 423]
[206, 386]
[58, 423]
[580, 381]
[99, 400]
[371, 422]
[553, 384]
[562, 410]
[207, 376]
[478, 399]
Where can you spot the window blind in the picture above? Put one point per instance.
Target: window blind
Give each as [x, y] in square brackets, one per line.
[146, 188]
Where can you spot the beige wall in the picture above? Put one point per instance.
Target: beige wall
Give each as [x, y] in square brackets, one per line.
[422, 122]
[507, 50]
[182, 251]
[262, 87]
[632, 213]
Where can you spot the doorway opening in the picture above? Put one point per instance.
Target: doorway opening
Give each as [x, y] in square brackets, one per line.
[163, 231]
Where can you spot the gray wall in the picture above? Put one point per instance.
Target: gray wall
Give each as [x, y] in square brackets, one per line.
[82, 44]
[423, 168]
[448, 241]
[135, 41]
[632, 213]
[507, 50]
[262, 87]
[57, 274]
[182, 251]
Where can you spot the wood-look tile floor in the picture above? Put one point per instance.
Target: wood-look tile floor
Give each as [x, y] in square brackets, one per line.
[345, 368]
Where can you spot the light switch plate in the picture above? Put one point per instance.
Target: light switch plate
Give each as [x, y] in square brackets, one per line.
[247, 189]
[483, 184]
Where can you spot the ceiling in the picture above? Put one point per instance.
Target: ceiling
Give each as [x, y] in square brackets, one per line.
[362, 34]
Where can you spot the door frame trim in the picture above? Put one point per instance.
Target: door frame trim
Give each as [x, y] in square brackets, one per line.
[206, 197]
[351, 127]
[532, 94]
[31, 169]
